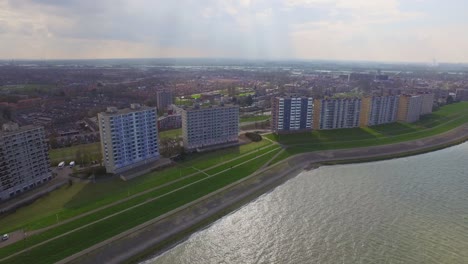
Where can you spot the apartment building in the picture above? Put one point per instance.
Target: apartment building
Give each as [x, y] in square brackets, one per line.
[129, 137]
[167, 122]
[378, 110]
[163, 99]
[291, 114]
[336, 113]
[24, 159]
[409, 108]
[204, 127]
[427, 103]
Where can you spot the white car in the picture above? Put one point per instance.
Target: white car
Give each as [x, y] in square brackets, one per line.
[5, 237]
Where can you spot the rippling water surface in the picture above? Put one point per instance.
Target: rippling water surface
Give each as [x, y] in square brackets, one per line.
[409, 210]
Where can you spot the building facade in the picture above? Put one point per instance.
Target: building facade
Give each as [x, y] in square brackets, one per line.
[409, 108]
[173, 121]
[462, 95]
[336, 113]
[24, 159]
[291, 114]
[129, 137]
[163, 99]
[427, 103]
[378, 110]
[210, 126]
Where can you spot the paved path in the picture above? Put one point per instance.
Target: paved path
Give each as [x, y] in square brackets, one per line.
[149, 234]
[107, 251]
[132, 207]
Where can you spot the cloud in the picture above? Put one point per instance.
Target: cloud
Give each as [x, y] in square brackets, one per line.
[303, 29]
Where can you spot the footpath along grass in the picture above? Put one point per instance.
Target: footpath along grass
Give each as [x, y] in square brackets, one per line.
[35, 239]
[243, 159]
[83, 197]
[82, 239]
[90, 196]
[114, 209]
[209, 159]
[447, 118]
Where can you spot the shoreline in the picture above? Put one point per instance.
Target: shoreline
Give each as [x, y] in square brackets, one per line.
[152, 239]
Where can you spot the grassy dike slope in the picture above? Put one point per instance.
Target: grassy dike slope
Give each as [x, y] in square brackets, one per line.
[71, 201]
[443, 120]
[62, 246]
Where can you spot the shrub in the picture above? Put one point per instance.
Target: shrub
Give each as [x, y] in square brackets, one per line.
[253, 136]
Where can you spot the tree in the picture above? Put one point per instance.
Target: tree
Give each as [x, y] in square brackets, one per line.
[450, 99]
[249, 100]
[79, 156]
[170, 146]
[53, 142]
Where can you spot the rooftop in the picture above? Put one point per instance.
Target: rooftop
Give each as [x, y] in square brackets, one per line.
[133, 108]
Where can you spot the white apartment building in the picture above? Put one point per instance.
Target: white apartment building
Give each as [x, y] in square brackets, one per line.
[383, 110]
[409, 108]
[290, 114]
[427, 103]
[129, 137]
[336, 113]
[210, 126]
[24, 159]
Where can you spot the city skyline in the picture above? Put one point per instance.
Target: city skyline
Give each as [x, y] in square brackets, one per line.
[380, 30]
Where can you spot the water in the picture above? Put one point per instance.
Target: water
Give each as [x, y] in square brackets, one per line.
[409, 210]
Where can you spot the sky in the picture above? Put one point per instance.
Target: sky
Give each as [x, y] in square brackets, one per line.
[364, 30]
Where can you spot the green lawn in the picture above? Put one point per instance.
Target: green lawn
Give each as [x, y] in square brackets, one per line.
[254, 118]
[79, 240]
[171, 133]
[68, 202]
[445, 119]
[94, 149]
[69, 154]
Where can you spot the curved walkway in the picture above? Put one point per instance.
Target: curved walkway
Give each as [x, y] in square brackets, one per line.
[156, 231]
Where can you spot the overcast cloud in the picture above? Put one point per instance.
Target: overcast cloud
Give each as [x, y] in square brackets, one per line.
[385, 30]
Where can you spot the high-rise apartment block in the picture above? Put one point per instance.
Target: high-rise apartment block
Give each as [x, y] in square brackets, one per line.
[163, 99]
[336, 113]
[378, 110]
[204, 127]
[427, 103]
[291, 114]
[409, 108]
[129, 137]
[24, 159]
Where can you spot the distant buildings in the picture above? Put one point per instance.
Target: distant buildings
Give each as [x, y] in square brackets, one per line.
[336, 113]
[167, 122]
[378, 110]
[291, 114]
[427, 103]
[24, 159]
[210, 126]
[129, 137]
[462, 94]
[409, 108]
[163, 99]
